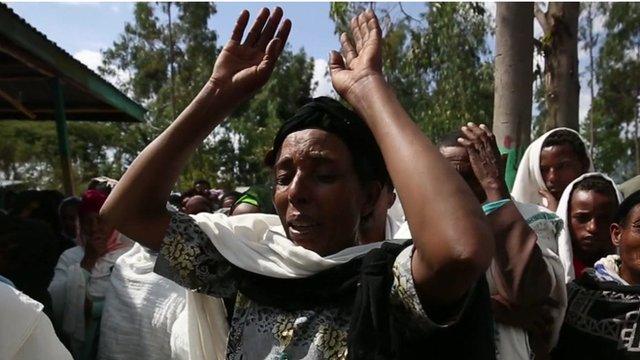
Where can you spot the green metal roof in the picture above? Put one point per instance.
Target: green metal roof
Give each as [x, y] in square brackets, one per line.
[29, 61]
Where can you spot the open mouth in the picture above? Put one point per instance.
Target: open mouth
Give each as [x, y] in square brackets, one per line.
[302, 227]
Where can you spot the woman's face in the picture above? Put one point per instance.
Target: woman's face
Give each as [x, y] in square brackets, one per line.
[591, 215]
[627, 238]
[317, 193]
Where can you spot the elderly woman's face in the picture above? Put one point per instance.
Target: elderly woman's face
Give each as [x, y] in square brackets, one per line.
[627, 237]
[317, 193]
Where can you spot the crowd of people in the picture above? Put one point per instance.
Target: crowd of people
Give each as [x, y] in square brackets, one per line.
[372, 243]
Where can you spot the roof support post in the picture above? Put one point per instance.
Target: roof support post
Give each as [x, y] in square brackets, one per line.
[63, 136]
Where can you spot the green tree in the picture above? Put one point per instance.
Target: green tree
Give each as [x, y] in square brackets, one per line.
[438, 63]
[166, 54]
[616, 107]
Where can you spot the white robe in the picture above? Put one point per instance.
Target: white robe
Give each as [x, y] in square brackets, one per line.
[565, 249]
[25, 331]
[140, 309]
[58, 287]
[529, 177]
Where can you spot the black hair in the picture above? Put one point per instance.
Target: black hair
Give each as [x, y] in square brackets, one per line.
[450, 139]
[566, 137]
[69, 201]
[598, 184]
[330, 115]
[621, 216]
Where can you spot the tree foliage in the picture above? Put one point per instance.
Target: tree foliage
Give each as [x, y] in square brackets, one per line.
[616, 107]
[438, 63]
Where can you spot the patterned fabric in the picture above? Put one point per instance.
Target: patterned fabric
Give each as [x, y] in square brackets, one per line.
[602, 320]
[189, 258]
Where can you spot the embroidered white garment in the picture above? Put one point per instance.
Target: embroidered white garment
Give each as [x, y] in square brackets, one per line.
[513, 342]
[140, 309]
[529, 178]
[26, 332]
[565, 249]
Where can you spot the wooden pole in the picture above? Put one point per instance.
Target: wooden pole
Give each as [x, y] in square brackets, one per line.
[63, 137]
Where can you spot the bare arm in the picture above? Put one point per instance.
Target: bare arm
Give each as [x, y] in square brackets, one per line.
[518, 268]
[136, 207]
[453, 242]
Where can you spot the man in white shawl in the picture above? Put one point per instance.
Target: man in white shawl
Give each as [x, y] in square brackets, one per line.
[140, 309]
[327, 163]
[586, 208]
[549, 164]
[26, 332]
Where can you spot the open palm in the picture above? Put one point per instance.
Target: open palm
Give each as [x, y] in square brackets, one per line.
[242, 68]
[361, 59]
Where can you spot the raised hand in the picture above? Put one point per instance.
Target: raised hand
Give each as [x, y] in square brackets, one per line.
[485, 160]
[361, 60]
[551, 201]
[243, 68]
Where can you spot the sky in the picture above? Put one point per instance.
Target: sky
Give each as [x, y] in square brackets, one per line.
[85, 28]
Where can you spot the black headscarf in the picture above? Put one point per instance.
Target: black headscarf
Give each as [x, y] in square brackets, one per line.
[331, 116]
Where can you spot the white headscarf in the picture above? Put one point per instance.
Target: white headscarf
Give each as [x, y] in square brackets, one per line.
[565, 250]
[529, 178]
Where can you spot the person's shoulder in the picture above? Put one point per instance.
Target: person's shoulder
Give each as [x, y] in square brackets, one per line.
[74, 251]
[19, 314]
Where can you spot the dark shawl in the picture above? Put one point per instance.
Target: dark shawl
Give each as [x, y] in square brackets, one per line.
[602, 321]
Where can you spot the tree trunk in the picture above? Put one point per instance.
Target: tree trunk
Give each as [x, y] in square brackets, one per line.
[560, 48]
[513, 82]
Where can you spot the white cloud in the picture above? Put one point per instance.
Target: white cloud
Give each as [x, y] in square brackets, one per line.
[321, 75]
[91, 58]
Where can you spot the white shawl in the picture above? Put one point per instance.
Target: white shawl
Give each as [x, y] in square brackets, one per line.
[26, 332]
[140, 309]
[255, 243]
[529, 178]
[565, 250]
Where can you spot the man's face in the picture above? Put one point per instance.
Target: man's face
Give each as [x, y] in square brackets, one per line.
[94, 232]
[591, 215]
[317, 193]
[560, 165]
[627, 238]
[458, 157]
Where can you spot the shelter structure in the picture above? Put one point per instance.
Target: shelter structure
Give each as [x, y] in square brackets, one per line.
[39, 81]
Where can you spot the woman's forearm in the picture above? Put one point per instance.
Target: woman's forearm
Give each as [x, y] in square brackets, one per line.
[454, 243]
[137, 205]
